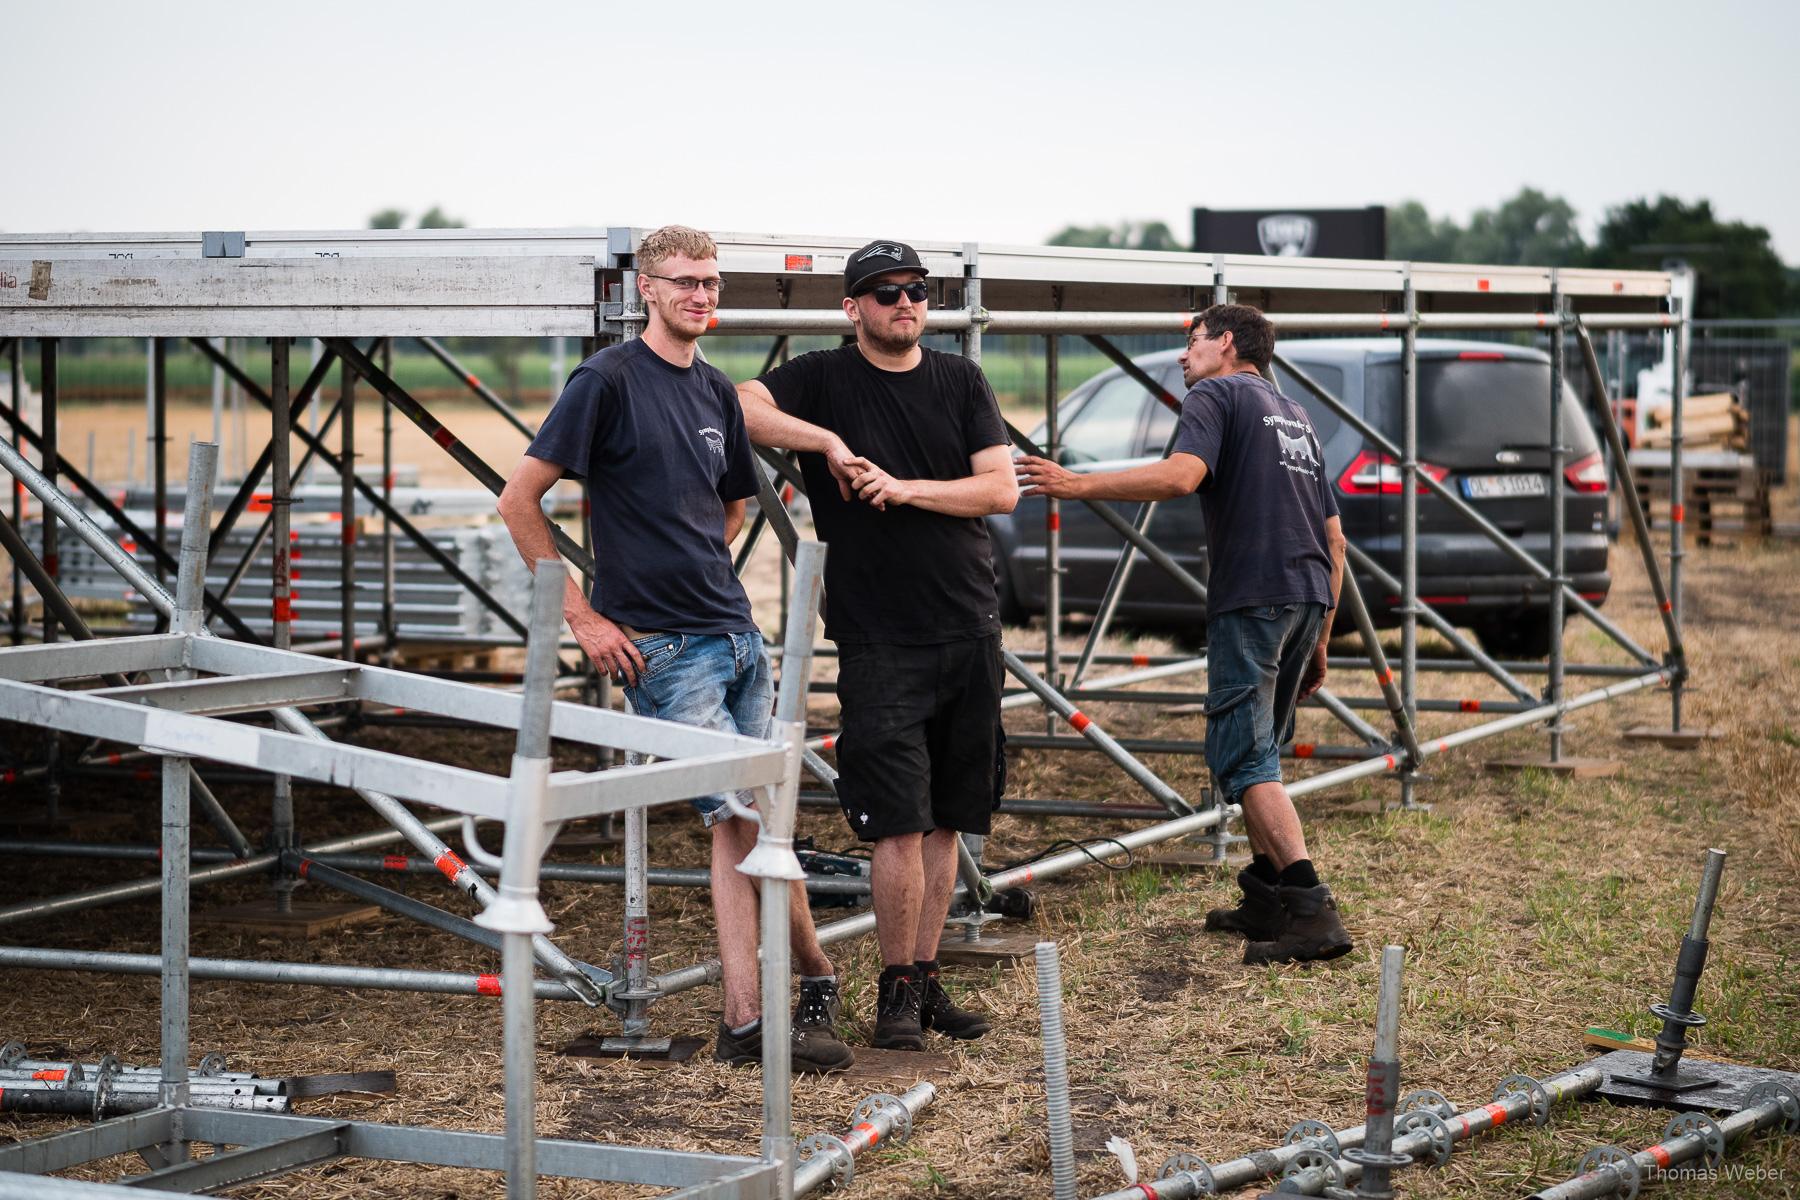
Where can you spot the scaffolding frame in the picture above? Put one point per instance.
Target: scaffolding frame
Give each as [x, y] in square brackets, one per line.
[194, 680]
[423, 284]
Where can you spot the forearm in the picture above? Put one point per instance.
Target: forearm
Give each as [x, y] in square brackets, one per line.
[1337, 590]
[769, 426]
[530, 531]
[971, 496]
[1152, 482]
[734, 520]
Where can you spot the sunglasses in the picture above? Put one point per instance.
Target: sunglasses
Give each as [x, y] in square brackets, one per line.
[888, 294]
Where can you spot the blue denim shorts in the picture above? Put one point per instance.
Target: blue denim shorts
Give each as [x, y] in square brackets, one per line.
[1256, 658]
[713, 680]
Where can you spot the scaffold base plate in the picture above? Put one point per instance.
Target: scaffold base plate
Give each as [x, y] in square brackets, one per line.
[1001, 947]
[669, 1051]
[1673, 739]
[1728, 1083]
[308, 920]
[1567, 766]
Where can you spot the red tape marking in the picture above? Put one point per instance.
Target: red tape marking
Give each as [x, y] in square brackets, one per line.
[305, 866]
[1663, 1157]
[1678, 513]
[1303, 749]
[114, 758]
[1391, 762]
[868, 1131]
[1469, 705]
[1443, 746]
[8, 776]
[449, 864]
[1149, 1192]
[1482, 285]
[1053, 521]
[443, 437]
[1498, 1112]
[1668, 606]
[1028, 876]
[283, 610]
[1140, 660]
[1079, 720]
[394, 862]
[261, 502]
[51, 1076]
[471, 380]
[712, 322]
[487, 985]
[828, 743]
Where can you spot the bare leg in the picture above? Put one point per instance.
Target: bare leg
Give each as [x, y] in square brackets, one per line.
[939, 861]
[735, 910]
[1273, 824]
[803, 937]
[898, 880]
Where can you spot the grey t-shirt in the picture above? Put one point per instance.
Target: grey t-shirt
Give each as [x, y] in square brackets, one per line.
[1265, 495]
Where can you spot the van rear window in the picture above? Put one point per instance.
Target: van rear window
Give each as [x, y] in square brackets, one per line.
[1469, 409]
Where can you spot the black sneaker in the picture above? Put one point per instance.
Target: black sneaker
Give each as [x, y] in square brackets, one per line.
[937, 1011]
[897, 1021]
[817, 1047]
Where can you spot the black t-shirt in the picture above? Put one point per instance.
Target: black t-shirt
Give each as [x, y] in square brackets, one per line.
[662, 448]
[902, 575]
[1265, 495]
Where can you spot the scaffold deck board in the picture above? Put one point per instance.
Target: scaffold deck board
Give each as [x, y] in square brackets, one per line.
[307, 919]
[997, 947]
[1568, 767]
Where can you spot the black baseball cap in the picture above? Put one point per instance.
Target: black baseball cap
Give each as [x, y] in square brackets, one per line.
[878, 258]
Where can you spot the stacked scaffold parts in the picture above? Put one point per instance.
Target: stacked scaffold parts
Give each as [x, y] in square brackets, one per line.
[109, 1088]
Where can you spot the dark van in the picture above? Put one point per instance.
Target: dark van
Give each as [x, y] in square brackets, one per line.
[1484, 418]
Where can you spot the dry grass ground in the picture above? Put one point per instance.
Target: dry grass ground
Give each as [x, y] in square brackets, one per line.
[1529, 908]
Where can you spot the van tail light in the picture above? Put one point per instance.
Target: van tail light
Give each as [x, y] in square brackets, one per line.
[1378, 475]
[1587, 474]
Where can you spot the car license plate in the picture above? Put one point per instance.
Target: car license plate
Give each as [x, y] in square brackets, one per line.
[1502, 487]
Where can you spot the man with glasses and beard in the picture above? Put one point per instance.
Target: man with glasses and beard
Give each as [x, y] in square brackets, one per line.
[904, 452]
[660, 439]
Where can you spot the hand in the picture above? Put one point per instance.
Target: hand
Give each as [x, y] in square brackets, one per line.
[1041, 477]
[841, 463]
[877, 487]
[606, 645]
[1314, 679]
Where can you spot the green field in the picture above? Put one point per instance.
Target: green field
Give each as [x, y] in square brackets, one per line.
[115, 368]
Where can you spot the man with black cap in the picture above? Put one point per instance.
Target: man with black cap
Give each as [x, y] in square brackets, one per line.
[904, 452]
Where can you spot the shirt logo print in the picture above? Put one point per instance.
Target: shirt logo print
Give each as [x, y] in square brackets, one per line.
[1296, 448]
[714, 440]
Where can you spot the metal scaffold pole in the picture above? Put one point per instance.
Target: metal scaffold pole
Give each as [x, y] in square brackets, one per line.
[281, 615]
[1409, 527]
[1553, 691]
[1677, 492]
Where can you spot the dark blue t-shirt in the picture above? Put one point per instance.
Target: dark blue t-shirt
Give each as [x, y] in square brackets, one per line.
[662, 448]
[1265, 495]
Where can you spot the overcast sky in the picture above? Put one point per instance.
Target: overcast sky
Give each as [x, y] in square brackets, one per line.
[996, 122]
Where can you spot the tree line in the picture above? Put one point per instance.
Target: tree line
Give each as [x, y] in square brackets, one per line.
[1739, 273]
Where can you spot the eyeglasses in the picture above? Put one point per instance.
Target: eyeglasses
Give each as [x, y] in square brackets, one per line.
[888, 294]
[687, 283]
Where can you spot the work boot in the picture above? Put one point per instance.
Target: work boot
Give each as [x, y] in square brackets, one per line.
[897, 1021]
[817, 1047]
[808, 1052]
[1257, 916]
[1310, 930]
[937, 1011]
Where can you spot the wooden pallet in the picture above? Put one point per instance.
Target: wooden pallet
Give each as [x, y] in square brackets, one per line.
[1718, 500]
